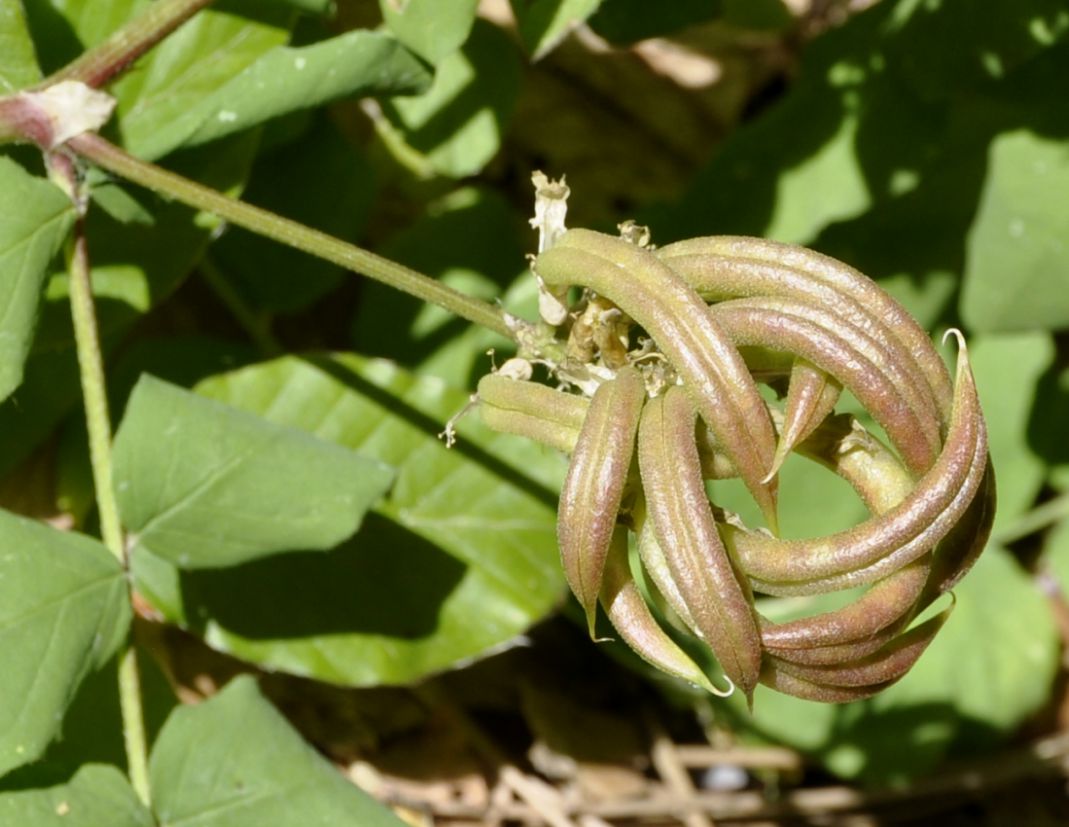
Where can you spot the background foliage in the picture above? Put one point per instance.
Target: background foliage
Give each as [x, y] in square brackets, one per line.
[364, 552]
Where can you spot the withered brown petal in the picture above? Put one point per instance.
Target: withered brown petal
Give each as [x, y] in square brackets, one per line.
[716, 598]
[677, 319]
[593, 488]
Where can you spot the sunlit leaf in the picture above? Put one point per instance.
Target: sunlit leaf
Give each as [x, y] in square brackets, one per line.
[97, 795]
[63, 611]
[460, 557]
[430, 28]
[459, 122]
[544, 23]
[1017, 276]
[203, 485]
[34, 219]
[234, 761]
[18, 62]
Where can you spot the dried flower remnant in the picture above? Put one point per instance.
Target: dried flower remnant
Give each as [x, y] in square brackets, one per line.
[659, 362]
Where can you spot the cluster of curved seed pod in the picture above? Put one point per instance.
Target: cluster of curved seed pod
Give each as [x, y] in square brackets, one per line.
[723, 314]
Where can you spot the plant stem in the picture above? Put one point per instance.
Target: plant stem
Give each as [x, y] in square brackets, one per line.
[260, 221]
[126, 44]
[1043, 515]
[257, 328]
[91, 368]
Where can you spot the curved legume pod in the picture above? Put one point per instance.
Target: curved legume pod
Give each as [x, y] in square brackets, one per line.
[631, 617]
[677, 319]
[715, 596]
[811, 397]
[882, 668]
[887, 541]
[722, 267]
[882, 384]
[593, 488]
[528, 409]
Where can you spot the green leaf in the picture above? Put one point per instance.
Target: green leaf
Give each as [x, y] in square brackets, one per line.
[95, 796]
[460, 557]
[459, 122]
[988, 670]
[1008, 371]
[234, 761]
[1056, 553]
[545, 23]
[63, 611]
[35, 217]
[430, 28]
[1017, 275]
[285, 80]
[628, 21]
[203, 485]
[161, 104]
[18, 63]
[763, 15]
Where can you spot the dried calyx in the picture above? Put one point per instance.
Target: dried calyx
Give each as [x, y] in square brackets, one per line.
[658, 365]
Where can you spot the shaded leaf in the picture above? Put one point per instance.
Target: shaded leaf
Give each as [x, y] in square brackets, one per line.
[458, 123]
[544, 23]
[628, 21]
[96, 795]
[460, 557]
[18, 62]
[234, 761]
[430, 28]
[320, 180]
[203, 485]
[35, 217]
[1017, 274]
[63, 611]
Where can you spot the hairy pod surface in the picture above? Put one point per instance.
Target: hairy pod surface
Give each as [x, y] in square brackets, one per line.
[717, 603]
[713, 371]
[670, 345]
[592, 491]
[632, 618]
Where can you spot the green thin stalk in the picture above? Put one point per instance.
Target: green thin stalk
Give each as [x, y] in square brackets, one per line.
[91, 369]
[111, 158]
[257, 328]
[1043, 515]
[125, 45]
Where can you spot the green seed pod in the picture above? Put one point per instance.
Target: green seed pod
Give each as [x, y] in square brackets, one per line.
[677, 319]
[882, 667]
[631, 617]
[718, 604]
[811, 397]
[886, 542]
[723, 267]
[592, 491]
[528, 409]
